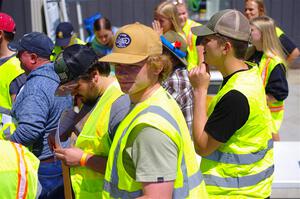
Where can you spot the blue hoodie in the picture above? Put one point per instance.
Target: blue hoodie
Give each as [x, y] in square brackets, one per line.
[37, 110]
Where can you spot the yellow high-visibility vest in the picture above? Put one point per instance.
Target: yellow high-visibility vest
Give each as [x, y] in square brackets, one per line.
[94, 139]
[192, 56]
[162, 112]
[243, 166]
[18, 171]
[58, 49]
[266, 66]
[8, 72]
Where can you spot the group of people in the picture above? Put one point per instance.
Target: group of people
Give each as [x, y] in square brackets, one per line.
[139, 129]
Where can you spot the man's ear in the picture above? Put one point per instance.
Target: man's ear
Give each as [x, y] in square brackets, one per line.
[1, 34]
[94, 75]
[157, 69]
[34, 58]
[227, 47]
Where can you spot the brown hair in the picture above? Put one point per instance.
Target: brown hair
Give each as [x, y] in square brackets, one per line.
[102, 24]
[161, 60]
[239, 47]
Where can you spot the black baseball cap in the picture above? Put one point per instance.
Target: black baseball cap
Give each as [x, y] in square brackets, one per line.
[73, 62]
[64, 32]
[35, 42]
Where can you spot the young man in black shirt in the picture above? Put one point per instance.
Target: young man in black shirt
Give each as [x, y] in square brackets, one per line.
[235, 140]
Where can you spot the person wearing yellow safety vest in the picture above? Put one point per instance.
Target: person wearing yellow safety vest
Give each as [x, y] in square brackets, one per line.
[152, 154]
[195, 53]
[18, 173]
[235, 141]
[271, 60]
[65, 37]
[90, 80]
[256, 8]
[12, 77]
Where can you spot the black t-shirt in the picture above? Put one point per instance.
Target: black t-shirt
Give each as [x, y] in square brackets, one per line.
[277, 86]
[229, 115]
[287, 44]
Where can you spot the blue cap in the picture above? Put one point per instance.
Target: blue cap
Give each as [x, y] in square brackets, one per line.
[35, 42]
[63, 32]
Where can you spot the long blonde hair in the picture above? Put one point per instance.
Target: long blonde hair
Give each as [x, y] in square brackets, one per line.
[169, 10]
[270, 42]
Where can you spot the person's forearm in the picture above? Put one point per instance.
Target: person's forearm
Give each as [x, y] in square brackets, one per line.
[200, 116]
[294, 55]
[96, 163]
[25, 135]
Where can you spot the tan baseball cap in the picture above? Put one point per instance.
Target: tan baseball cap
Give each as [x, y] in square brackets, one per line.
[230, 23]
[134, 43]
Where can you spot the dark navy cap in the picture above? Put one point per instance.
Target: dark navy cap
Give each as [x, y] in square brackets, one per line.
[35, 42]
[63, 32]
[74, 61]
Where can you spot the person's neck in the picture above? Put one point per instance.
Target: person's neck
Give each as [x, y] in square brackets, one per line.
[144, 94]
[231, 65]
[4, 51]
[104, 83]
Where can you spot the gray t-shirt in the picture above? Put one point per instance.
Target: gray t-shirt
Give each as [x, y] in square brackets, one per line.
[119, 109]
[118, 112]
[150, 155]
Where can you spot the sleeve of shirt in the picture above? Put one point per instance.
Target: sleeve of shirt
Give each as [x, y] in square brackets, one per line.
[154, 156]
[32, 120]
[287, 43]
[229, 115]
[16, 84]
[277, 85]
[118, 112]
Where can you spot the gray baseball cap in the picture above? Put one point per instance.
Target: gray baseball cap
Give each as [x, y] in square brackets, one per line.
[229, 23]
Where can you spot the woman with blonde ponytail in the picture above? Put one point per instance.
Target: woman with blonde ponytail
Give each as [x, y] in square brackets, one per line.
[272, 64]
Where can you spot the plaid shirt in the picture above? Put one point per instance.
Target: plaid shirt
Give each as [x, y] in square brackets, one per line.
[179, 86]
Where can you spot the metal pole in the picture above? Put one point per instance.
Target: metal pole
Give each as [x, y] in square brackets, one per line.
[64, 10]
[79, 18]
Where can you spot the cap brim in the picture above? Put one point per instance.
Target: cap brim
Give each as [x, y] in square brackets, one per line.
[202, 31]
[65, 89]
[121, 58]
[62, 42]
[15, 46]
[183, 60]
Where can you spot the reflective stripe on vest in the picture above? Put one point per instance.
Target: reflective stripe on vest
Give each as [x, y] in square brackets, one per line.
[266, 66]
[22, 172]
[265, 71]
[276, 108]
[188, 182]
[239, 182]
[239, 159]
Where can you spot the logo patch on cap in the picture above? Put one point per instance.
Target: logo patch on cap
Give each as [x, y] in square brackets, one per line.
[123, 40]
[60, 34]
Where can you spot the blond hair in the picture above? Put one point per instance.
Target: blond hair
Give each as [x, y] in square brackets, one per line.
[270, 42]
[158, 61]
[169, 10]
[261, 7]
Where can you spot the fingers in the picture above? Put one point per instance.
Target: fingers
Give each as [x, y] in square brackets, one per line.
[156, 27]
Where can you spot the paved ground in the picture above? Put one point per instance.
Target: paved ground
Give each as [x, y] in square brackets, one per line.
[290, 132]
[290, 129]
